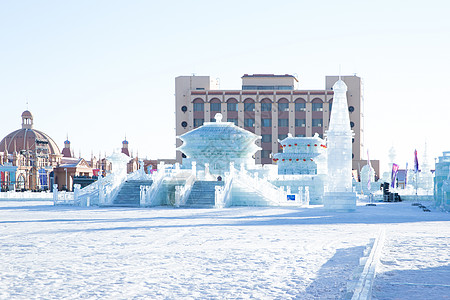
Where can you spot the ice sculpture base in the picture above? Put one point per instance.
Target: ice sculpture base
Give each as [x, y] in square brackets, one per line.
[339, 201]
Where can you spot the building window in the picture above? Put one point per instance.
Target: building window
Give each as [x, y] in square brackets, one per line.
[282, 136]
[283, 106]
[266, 106]
[215, 106]
[283, 122]
[198, 122]
[212, 120]
[317, 107]
[249, 122]
[300, 135]
[249, 106]
[300, 106]
[265, 153]
[235, 121]
[231, 107]
[317, 122]
[198, 106]
[300, 122]
[351, 109]
[267, 87]
[330, 106]
[184, 108]
[266, 122]
[352, 124]
[184, 124]
[266, 138]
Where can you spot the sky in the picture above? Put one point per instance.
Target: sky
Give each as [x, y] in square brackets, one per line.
[97, 71]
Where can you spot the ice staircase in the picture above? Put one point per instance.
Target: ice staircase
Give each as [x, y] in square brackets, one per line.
[243, 195]
[129, 194]
[203, 194]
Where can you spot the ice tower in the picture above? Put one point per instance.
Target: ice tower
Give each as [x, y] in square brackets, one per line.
[340, 195]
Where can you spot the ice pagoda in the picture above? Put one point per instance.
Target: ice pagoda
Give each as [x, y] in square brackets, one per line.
[340, 195]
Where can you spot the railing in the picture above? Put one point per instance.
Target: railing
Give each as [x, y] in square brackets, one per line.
[26, 195]
[182, 191]
[260, 186]
[62, 197]
[148, 193]
[223, 193]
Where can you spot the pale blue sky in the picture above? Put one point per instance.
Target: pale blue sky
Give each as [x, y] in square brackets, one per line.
[97, 70]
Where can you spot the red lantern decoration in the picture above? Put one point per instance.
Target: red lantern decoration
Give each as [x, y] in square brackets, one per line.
[315, 145]
[283, 159]
[284, 145]
[289, 145]
[308, 145]
[290, 159]
[297, 159]
[304, 159]
[295, 144]
[311, 159]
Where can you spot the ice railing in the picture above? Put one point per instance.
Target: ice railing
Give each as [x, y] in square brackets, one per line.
[99, 192]
[26, 195]
[223, 193]
[148, 193]
[261, 186]
[182, 191]
[105, 189]
[62, 197]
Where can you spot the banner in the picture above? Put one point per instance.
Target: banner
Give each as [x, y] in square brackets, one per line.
[355, 175]
[406, 175]
[394, 174]
[416, 162]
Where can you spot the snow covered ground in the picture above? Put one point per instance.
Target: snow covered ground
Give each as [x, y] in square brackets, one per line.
[236, 253]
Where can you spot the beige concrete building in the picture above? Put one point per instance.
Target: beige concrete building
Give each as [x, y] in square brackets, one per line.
[268, 105]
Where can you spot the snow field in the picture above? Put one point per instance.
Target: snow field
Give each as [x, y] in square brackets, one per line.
[237, 253]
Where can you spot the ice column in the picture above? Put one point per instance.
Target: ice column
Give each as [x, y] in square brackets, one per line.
[340, 195]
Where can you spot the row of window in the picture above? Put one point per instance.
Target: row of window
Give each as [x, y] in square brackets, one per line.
[267, 87]
[249, 122]
[264, 106]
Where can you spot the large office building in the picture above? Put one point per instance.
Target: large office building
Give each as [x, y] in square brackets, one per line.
[270, 106]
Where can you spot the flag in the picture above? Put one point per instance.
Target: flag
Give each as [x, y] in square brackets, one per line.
[394, 174]
[416, 162]
[406, 175]
[370, 169]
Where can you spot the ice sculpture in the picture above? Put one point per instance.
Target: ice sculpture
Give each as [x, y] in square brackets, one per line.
[216, 144]
[301, 156]
[340, 195]
[119, 163]
[442, 182]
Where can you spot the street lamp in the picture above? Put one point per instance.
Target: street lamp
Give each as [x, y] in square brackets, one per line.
[65, 169]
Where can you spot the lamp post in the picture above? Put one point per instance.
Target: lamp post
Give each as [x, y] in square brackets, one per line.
[65, 169]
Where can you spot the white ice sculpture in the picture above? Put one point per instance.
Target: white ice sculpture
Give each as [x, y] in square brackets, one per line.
[340, 195]
[216, 144]
[119, 163]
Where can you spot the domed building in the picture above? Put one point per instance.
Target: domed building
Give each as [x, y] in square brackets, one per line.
[27, 157]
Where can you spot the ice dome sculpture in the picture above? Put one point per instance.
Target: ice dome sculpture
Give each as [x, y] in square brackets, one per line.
[217, 144]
